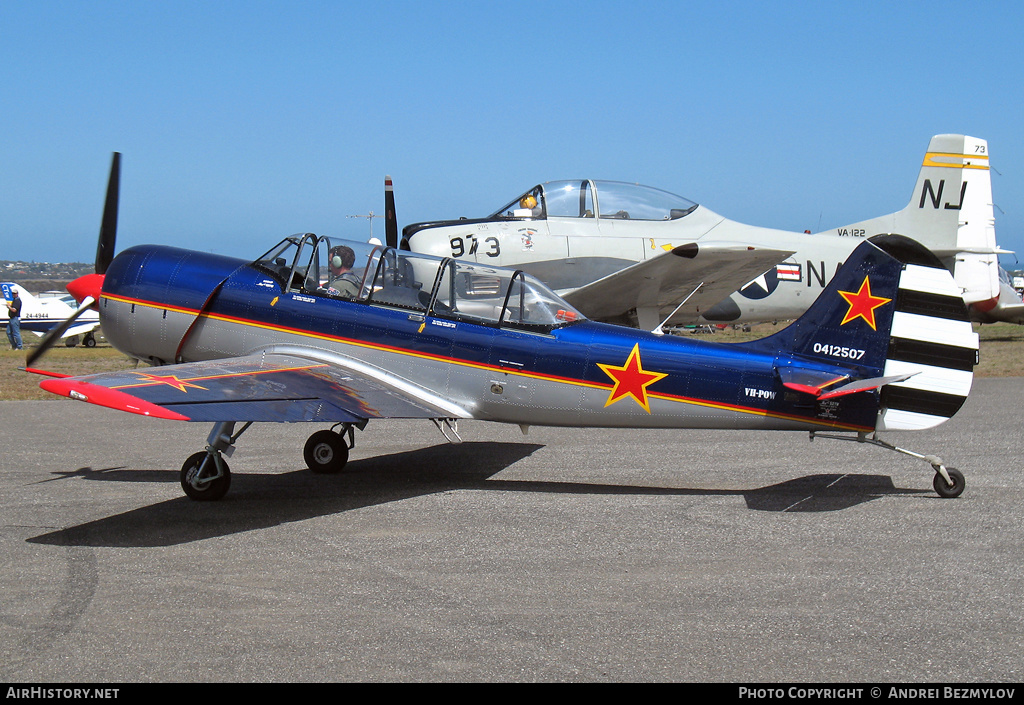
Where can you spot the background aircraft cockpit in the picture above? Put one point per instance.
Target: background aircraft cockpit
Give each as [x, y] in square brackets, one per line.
[600, 199]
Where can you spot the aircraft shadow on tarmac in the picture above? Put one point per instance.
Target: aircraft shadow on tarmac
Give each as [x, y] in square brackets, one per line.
[262, 501]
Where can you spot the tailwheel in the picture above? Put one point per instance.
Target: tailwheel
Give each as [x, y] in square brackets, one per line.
[205, 476]
[325, 452]
[953, 488]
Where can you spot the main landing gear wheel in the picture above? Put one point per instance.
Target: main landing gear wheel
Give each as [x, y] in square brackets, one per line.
[325, 452]
[948, 490]
[205, 477]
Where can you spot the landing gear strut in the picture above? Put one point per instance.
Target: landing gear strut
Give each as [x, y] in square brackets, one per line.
[205, 476]
[327, 451]
[948, 482]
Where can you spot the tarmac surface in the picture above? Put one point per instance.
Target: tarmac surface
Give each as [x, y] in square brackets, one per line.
[561, 555]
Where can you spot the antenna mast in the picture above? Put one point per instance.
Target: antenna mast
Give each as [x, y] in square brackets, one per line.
[369, 216]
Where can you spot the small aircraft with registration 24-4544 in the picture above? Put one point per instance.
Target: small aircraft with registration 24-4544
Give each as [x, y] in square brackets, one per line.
[41, 314]
[342, 333]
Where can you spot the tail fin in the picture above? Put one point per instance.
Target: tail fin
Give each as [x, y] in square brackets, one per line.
[951, 213]
[8, 289]
[894, 315]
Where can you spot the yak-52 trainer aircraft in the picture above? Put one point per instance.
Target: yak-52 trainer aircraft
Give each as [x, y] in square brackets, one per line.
[627, 253]
[282, 338]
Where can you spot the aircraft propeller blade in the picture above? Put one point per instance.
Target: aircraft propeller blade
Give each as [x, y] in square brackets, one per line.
[390, 219]
[108, 227]
[55, 334]
[86, 289]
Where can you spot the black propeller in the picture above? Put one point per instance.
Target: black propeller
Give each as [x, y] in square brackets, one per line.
[108, 227]
[390, 219]
[86, 289]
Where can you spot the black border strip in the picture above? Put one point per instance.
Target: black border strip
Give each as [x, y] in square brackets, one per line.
[922, 352]
[935, 305]
[921, 401]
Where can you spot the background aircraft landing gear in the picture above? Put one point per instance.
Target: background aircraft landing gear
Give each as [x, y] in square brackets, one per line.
[90, 340]
[327, 451]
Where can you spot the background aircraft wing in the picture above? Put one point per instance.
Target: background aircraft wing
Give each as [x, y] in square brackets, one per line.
[277, 385]
[707, 273]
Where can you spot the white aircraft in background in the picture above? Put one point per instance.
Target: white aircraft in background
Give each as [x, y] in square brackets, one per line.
[41, 315]
[631, 254]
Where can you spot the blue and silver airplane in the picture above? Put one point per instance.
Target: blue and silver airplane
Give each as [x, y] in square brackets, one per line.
[341, 333]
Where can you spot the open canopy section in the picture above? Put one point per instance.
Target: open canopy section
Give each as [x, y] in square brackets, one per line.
[443, 287]
[596, 199]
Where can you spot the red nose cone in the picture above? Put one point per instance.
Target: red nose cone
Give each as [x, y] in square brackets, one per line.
[86, 285]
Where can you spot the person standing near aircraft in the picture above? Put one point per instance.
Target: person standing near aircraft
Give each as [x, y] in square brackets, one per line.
[14, 324]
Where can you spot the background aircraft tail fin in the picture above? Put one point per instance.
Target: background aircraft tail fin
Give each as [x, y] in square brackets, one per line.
[894, 314]
[8, 289]
[951, 213]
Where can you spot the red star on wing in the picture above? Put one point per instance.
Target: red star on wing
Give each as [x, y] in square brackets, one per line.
[170, 381]
[862, 304]
[631, 380]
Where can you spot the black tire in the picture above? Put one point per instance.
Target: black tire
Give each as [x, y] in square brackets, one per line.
[325, 452]
[71, 341]
[946, 491]
[90, 341]
[209, 492]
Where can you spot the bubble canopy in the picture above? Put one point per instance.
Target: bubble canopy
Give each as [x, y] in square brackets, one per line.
[596, 199]
[436, 286]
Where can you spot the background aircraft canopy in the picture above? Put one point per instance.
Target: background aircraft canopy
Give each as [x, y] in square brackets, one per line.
[603, 199]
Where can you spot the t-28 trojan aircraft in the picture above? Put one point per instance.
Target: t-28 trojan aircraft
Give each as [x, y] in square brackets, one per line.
[283, 338]
[627, 253]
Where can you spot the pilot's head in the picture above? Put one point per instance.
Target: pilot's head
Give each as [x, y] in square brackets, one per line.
[528, 201]
[342, 259]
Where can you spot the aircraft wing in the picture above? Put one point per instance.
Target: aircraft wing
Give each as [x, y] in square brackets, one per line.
[281, 384]
[706, 273]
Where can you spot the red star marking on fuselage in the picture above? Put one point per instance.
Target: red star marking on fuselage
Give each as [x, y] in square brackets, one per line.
[170, 381]
[631, 380]
[862, 304]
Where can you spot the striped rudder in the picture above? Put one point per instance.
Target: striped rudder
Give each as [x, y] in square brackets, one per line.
[931, 339]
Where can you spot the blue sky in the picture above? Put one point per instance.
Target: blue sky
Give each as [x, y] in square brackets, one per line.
[243, 122]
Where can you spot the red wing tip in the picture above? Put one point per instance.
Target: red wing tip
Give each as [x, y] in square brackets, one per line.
[44, 373]
[109, 398]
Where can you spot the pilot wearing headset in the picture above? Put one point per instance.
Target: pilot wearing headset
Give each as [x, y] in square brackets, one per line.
[343, 282]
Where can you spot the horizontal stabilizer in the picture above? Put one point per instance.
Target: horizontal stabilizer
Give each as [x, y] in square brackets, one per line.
[866, 385]
[808, 381]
